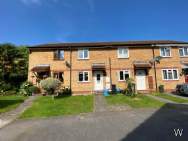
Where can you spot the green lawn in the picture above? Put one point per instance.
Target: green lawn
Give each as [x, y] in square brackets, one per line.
[140, 101]
[71, 105]
[172, 98]
[8, 103]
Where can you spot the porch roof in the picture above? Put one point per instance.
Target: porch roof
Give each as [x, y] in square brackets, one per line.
[184, 64]
[142, 64]
[98, 66]
[41, 68]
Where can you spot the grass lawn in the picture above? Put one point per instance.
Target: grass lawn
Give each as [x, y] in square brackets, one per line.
[172, 98]
[46, 106]
[140, 101]
[8, 103]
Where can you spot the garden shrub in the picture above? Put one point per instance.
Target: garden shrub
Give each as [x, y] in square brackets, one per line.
[50, 85]
[7, 89]
[161, 88]
[65, 91]
[25, 89]
[130, 90]
[5, 86]
[34, 90]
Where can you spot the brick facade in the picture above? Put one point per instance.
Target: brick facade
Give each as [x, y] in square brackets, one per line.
[106, 55]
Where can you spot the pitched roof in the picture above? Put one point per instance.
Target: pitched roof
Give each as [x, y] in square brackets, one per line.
[103, 44]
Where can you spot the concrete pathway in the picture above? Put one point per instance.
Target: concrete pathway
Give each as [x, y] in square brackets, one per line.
[160, 99]
[102, 106]
[179, 96]
[100, 103]
[8, 117]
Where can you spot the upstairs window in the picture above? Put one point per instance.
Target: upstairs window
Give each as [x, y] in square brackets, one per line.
[165, 51]
[123, 53]
[59, 75]
[183, 51]
[83, 76]
[59, 55]
[123, 75]
[83, 54]
[170, 74]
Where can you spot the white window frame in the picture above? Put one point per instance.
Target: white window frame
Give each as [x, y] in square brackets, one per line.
[82, 51]
[58, 54]
[123, 56]
[123, 74]
[183, 51]
[165, 53]
[58, 74]
[172, 74]
[83, 76]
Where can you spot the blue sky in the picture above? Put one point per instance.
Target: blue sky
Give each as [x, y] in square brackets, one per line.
[29, 22]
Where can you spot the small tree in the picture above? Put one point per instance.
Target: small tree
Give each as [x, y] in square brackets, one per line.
[130, 90]
[50, 85]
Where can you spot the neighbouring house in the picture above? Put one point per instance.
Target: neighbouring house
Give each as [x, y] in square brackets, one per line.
[91, 67]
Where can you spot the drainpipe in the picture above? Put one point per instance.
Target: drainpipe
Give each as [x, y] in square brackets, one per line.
[154, 64]
[70, 69]
[110, 73]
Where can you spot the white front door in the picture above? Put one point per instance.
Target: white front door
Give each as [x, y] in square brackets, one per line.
[141, 79]
[98, 80]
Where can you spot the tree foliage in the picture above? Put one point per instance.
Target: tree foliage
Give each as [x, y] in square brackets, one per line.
[50, 85]
[13, 64]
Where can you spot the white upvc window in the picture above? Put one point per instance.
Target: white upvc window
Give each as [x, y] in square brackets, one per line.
[183, 51]
[83, 76]
[123, 75]
[59, 75]
[170, 74]
[123, 52]
[165, 51]
[59, 54]
[83, 54]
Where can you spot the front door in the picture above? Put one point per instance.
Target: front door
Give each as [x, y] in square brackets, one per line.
[141, 79]
[98, 80]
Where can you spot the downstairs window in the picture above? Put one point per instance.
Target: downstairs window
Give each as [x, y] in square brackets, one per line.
[170, 74]
[59, 75]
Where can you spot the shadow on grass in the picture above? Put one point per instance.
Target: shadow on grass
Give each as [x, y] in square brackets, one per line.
[160, 126]
[62, 96]
[6, 103]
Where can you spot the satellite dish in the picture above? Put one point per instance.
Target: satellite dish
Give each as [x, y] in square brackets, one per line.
[67, 64]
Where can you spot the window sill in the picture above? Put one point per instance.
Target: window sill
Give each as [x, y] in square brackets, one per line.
[84, 81]
[121, 80]
[83, 59]
[59, 59]
[171, 80]
[166, 56]
[183, 56]
[123, 57]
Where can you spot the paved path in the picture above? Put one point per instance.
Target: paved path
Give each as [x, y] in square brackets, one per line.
[100, 103]
[133, 125]
[179, 96]
[102, 106]
[8, 117]
[160, 99]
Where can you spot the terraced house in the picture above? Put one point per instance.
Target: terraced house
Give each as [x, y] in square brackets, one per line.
[90, 67]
